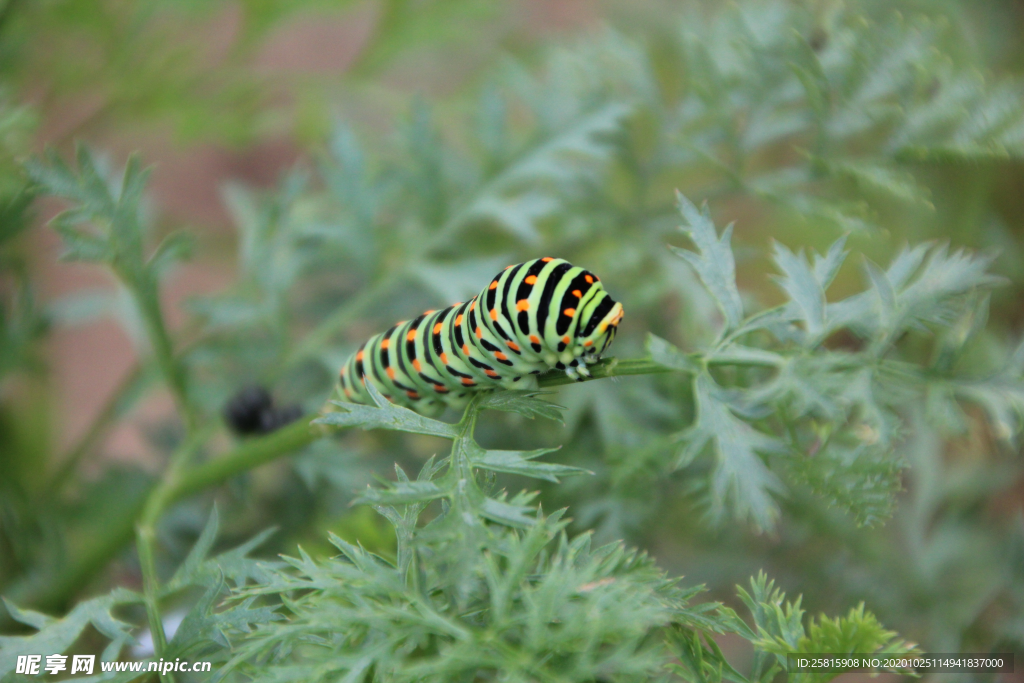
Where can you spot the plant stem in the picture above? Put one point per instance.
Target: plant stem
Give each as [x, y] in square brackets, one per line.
[250, 454]
[147, 298]
[148, 302]
[145, 532]
[145, 536]
[180, 482]
[294, 436]
[612, 367]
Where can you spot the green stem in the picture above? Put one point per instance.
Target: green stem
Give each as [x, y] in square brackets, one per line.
[145, 536]
[147, 299]
[148, 302]
[288, 439]
[157, 501]
[249, 455]
[180, 482]
[612, 367]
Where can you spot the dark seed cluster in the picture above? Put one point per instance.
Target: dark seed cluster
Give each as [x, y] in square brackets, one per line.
[252, 411]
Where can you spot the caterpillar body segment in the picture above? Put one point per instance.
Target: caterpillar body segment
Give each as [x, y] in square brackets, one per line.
[532, 317]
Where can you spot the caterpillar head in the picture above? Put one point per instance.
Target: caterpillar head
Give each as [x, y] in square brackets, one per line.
[604, 315]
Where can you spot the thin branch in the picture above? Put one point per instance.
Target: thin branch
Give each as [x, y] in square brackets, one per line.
[147, 300]
[145, 541]
[612, 367]
[145, 533]
[250, 454]
[181, 482]
[261, 450]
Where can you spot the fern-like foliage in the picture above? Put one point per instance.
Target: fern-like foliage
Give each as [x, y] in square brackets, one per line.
[828, 418]
[779, 632]
[485, 585]
[204, 631]
[851, 97]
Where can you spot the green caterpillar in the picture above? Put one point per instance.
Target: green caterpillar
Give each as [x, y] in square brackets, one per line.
[535, 316]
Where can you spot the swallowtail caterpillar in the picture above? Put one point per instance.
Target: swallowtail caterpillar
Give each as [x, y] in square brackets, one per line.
[532, 317]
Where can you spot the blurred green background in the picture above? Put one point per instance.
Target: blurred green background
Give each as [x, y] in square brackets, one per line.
[338, 166]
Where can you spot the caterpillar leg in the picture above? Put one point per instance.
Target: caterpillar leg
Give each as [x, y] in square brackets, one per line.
[577, 370]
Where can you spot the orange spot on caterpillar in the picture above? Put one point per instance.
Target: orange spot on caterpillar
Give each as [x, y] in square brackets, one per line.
[491, 373]
[589, 342]
[513, 346]
[465, 349]
[468, 382]
[432, 310]
[522, 305]
[570, 312]
[472, 304]
[494, 285]
[500, 356]
[458, 319]
[494, 314]
[589, 279]
[359, 356]
[507, 267]
[412, 394]
[416, 364]
[391, 373]
[348, 393]
[411, 336]
[479, 333]
[535, 339]
[577, 293]
[531, 279]
[437, 328]
[565, 339]
[439, 387]
[546, 259]
[385, 344]
[444, 358]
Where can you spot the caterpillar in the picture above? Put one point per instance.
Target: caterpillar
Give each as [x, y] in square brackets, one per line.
[532, 317]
